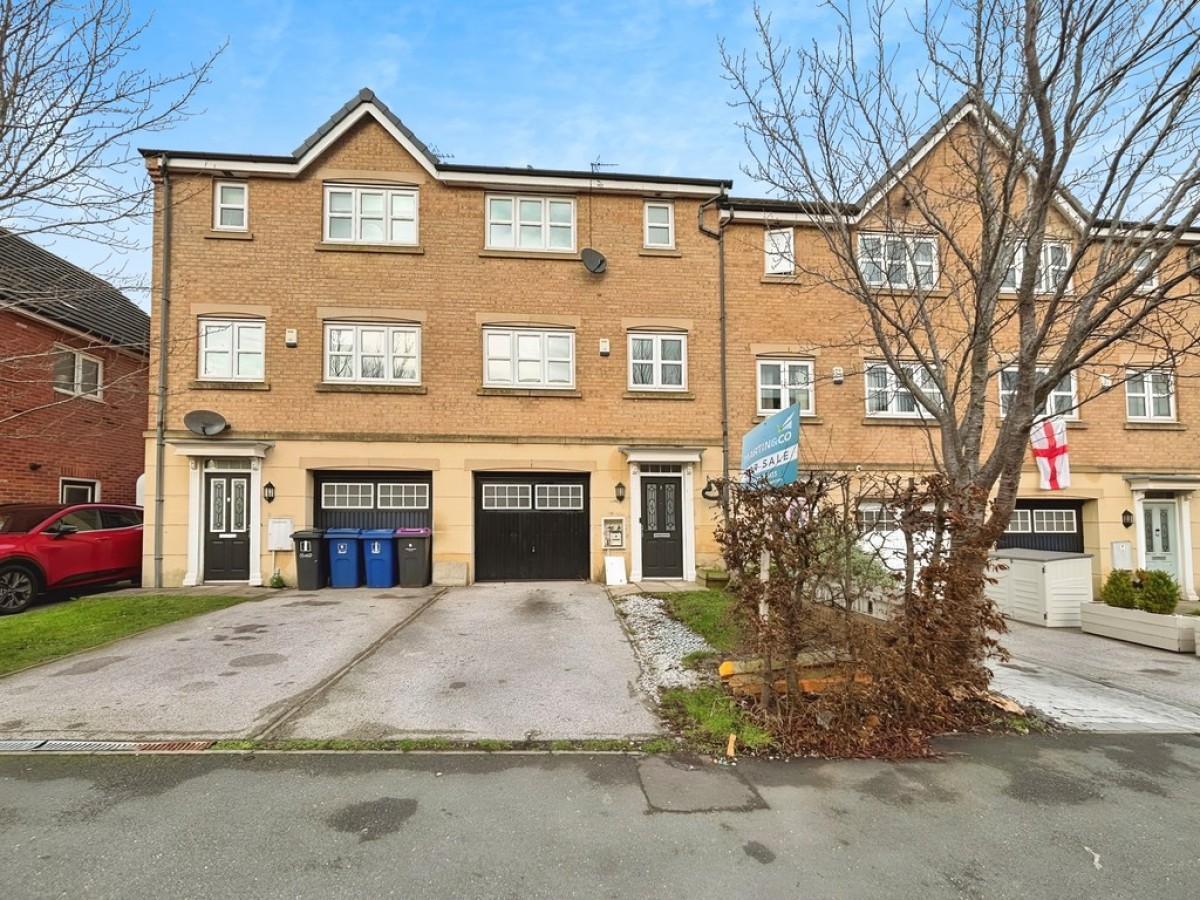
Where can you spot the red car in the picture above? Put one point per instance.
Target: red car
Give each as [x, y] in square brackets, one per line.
[47, 547]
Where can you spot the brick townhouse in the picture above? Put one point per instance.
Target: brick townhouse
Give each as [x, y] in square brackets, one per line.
[73, 355]
[394, 341]
[529, 362]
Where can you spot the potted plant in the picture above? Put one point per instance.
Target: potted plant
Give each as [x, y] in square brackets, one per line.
[1138, 607]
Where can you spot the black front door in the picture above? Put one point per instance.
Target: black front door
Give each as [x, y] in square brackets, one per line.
[662, 536]
[227, 527]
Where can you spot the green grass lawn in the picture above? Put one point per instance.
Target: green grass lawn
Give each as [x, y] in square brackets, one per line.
[48, 632]
[709, 613]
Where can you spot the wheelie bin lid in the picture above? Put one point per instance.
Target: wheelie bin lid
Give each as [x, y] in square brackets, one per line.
[414, 532]
[308, 534]
[343, 532]
[375, 534]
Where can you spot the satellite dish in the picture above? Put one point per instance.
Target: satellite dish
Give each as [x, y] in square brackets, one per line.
[593, 260]
[205, 422]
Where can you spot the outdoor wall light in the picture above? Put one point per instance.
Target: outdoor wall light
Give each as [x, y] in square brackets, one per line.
[268, 492]
[620, 491]
[1127, 519]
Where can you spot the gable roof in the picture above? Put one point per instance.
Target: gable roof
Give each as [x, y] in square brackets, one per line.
[366, 104]
[36, 281]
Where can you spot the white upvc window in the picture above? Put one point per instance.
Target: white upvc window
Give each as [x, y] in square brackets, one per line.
[78, 490]
[1140, 267]
[372, 353]
[232, 349]
[528, 357]
[1019, 523]
[659, 226]
[1061, 402]
[558, 496]
[1054, 521]
[874, 516]
[783, 382]
[898, 260]
[230, 206]
[657, 362]
[348, 495]
[405, 495]
[359, 214]
[516, 222]
[1149, 395]
[887, 396]
[1052, 268]
[78, 374]
[779, 251]
[507, 496]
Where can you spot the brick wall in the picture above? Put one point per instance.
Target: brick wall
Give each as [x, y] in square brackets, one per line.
[47, 435]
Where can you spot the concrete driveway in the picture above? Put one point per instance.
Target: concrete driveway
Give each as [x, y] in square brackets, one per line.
[505, 661]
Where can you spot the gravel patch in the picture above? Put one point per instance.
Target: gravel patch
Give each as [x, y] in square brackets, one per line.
[660, 644]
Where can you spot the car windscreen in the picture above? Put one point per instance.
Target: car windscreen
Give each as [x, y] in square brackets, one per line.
[25, 518]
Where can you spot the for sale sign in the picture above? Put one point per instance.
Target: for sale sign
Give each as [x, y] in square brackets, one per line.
[771, 450]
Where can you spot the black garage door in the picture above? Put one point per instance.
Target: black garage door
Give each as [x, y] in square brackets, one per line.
[1045, 525]
[531, 527]
[372, 499]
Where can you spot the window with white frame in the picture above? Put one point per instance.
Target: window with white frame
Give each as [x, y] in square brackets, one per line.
[659, 226]
[1019, 522]
[403, 496]
[347, 495]
[357, 214]
[887, 395]
[657, 362]
[230, 206]
[898, 260]
[1054, 521]
[528, 357]
[232, 349]
[1149, 395]
[1141, 269]
[78, 490]
[779, 251]
[558, 496]
[530, 223]
[78, 374]
[1052, 268]
[372, 353]
[1061, 402]
[506, 496]
[877, 517]
[783, 382]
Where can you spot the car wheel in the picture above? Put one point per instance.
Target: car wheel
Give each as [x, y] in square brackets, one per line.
[18, 587]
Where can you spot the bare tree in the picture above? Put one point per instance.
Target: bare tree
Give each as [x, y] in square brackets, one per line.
[71, 99]
[1051, 120]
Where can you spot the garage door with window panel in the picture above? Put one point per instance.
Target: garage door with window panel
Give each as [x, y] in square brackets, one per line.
[1045, 525]
[373, 500]
[531, 527]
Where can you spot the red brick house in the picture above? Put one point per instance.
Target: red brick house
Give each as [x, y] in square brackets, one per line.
[73, 381]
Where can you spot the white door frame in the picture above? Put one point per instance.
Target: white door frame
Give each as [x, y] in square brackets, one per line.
[197, 452]
[1183, 528]
[687, 460]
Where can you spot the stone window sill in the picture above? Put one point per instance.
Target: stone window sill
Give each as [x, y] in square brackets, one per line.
[529, 254]
[659, 395]
[901, 421]
[804, 420]
[229, 236]
[1155, 426]
[528, 392]
[779, 279]
[331, 247]
[230, 385]
[664, 252]
[324, 387]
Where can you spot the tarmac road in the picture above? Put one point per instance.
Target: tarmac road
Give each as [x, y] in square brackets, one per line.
[1078, 816]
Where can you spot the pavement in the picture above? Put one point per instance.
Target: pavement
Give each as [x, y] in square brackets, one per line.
[519, 661]
[502, 661]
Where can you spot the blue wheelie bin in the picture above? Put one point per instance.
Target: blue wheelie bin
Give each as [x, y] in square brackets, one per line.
[379, 557]
[345, 562]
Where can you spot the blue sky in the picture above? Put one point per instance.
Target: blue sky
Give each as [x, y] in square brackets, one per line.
[549, 84]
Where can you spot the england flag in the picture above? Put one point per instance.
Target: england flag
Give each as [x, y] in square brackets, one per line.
[1049, 439]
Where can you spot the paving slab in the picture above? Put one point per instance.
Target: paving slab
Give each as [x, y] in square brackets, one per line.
[223, 675]
[1097, 684]
[542, 661]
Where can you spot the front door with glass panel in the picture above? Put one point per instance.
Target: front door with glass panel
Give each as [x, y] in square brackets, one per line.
[226, 527]
[662, 536]
[1162, 543]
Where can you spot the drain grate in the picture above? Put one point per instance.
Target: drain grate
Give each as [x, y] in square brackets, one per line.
[16, 746]
[84, 746]
[100, 746]
[175, 746]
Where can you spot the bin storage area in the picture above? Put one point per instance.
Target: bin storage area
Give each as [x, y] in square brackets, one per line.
[1041, 587]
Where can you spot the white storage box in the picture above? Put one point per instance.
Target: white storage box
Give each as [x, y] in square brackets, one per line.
[1041, 587]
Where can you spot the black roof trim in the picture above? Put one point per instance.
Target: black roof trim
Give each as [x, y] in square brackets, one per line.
[591, 176]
